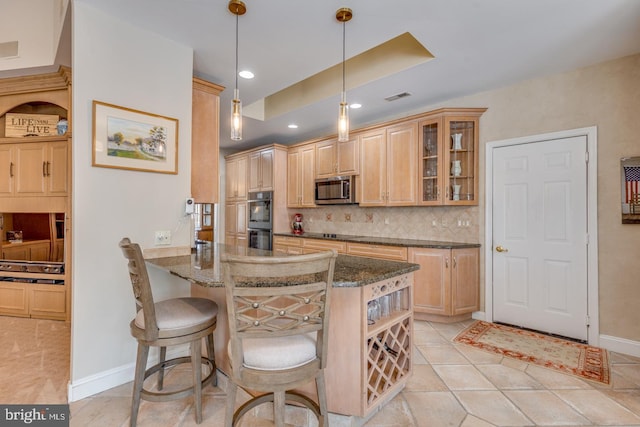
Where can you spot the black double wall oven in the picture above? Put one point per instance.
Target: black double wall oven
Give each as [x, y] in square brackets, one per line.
[260, 220]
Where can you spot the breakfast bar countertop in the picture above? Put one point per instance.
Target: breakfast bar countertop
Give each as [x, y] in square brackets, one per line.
[202, 267]
[386, 241]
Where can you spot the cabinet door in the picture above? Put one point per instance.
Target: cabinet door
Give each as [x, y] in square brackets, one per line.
[231, 186]
[293, 178]
[19, 252]
[31, 169]
[266, 170]
[430, 167]
[40, 251]
[465, 285]
[326, 154]
[255, 180]
[14, 299]
[241, 178]
[373, 173]
[348, 157]
[307, 177]
[7, 170]
[402, 165]
[205, 141]
[57, 167]
[47, 302]
[461, 163]
[241, 218]
[230, 215]
[432, 290]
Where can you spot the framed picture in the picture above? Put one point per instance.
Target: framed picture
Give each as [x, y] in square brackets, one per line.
[630, 191]
[124, 138]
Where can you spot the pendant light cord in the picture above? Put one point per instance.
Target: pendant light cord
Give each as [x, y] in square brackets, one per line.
[236, 52]
[344, 30]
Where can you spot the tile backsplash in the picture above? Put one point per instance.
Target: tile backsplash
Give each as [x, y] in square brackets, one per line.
[452, 224]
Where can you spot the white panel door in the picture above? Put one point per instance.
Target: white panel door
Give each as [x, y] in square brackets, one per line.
[540, 236]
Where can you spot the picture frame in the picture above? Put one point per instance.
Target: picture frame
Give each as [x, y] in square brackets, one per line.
[124, 138]
[630, 189]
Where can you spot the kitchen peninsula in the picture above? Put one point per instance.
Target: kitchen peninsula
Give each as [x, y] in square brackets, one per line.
[368, 362]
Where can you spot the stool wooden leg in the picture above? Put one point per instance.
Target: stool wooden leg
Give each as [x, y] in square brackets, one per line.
[278, 408]
[212, 358]
[163, 357]
[232, 388]
[138, 382]
[322, 400]
[196, 366]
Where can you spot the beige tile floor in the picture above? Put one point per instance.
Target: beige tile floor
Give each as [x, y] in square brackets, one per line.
[453, 385]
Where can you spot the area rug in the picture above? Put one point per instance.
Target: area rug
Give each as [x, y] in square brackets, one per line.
[566, 356]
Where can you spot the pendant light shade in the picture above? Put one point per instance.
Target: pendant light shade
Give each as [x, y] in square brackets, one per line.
[343, 15]
[237, 8]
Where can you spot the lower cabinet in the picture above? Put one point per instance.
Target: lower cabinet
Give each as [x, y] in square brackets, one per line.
[364, 373]
[43, 301]
[447, 285]
[29, 251]
[236, 224]
[283, 245]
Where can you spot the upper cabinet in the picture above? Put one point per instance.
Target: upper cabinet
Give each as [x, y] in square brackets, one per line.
[205, 131]
[35, 169]
[236, 177]
[335, 158]
[301, 176]
[389, 166]
[448, 167]
[261, 170]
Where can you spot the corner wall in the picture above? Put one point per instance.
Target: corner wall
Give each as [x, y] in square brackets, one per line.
[118, 63]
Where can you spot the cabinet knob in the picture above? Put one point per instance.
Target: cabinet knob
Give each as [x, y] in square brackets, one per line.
[11, 170]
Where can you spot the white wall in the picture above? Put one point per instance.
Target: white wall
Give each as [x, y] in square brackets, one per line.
[118, 63]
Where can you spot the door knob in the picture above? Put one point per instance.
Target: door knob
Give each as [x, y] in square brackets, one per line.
[501, 249]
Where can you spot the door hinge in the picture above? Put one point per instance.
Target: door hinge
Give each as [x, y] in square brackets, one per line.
[586, 157]
[588, 322]
[586, 239]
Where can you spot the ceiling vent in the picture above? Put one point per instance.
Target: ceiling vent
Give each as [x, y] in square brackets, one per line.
[8, 49]
[397, 96]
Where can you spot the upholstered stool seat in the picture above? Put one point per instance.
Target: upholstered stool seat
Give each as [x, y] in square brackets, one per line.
[171, 322]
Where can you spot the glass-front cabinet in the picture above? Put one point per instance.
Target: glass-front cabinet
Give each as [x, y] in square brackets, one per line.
[449, 157]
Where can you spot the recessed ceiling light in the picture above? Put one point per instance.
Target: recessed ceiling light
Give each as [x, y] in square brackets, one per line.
[355, 106]
[246, 74]
[293, 126]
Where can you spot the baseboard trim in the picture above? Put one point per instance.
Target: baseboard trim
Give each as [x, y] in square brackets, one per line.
[102, 381]
[620, 345]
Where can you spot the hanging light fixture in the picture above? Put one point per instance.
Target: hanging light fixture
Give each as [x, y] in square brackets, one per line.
[237, 8]
[343, 15]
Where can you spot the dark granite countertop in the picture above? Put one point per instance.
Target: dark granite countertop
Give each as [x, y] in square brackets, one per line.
[202, 267]
[388, 241]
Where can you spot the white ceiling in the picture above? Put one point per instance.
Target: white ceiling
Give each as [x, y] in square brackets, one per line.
[478, 45]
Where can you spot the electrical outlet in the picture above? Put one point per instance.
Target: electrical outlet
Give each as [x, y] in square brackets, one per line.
[163, 238]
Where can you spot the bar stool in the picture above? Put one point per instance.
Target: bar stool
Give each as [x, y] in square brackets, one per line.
[278, 311]
[167, 323]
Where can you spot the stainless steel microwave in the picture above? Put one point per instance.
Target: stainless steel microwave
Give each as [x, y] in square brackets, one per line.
[337, 190]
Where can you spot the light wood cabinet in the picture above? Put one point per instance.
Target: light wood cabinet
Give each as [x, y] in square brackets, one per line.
[261, 165]
[389, 167]
[283, 245]
[393, 253]
[318, 245]
[301, 176]
[236, 177]
[28, 251]
[335, 158]
[35, 168]
[447, 285]
[448, 167]
[44, 301]
[236, 223]
[205, 130]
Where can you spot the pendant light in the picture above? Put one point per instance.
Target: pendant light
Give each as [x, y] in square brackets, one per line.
[237, 8]
[343, 15]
